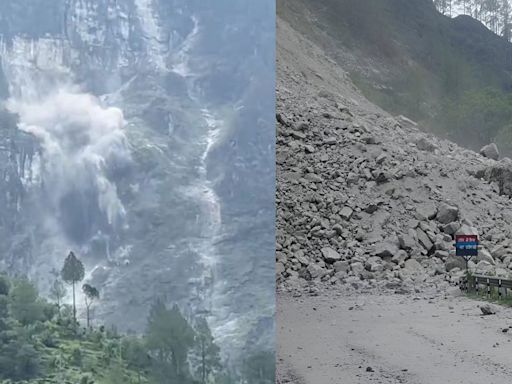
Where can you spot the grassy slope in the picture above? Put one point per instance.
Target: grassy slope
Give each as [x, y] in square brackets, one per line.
[62, 369]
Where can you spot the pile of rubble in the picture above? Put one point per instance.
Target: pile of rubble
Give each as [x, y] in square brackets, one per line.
[367, 199]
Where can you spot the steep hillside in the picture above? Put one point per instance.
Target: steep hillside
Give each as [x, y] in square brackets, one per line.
[134, 133]
[451, 75]
[366, 199]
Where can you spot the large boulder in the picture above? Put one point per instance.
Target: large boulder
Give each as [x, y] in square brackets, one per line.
[501, 173]
[490, 151]
[447, 213]
[453, 262]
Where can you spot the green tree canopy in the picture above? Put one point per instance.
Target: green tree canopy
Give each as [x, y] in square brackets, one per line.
[73, 272]
[170, 338]
[91, 294]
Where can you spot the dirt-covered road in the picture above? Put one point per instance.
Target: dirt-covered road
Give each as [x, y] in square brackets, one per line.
[349, 339]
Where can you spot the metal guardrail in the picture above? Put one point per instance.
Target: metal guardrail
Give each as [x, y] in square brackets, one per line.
[476, 283]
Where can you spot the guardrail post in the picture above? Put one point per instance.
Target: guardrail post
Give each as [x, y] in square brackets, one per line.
[488, 289]
[499, 289]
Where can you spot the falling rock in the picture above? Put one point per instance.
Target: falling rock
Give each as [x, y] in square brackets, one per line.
[330, 255]
[447, 213]
[490, 151]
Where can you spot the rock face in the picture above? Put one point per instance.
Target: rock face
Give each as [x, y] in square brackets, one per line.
[490, 151]
[388, 197]
[185, 180]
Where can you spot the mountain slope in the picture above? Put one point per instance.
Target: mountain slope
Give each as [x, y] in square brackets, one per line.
[410, 59]
[152, 131]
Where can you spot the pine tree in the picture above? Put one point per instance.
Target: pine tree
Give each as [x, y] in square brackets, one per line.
[505, 10]
[72, 273]
[57, 292]
[91, 294]
[169, 338]
[207, 353]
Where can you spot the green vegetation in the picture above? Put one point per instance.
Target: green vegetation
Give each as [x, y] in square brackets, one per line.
[72, 273]
[41, 342]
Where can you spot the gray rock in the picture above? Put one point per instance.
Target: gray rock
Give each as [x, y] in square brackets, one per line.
[399, 257]
[453, 262]
[499, 252]
[490, 151]
[309, 148]
[487, 309]
[424, 239]
[313, 177]
[316, 271]
[466, 229]
[341, 266]
[357, 267]
[423, 144]
[386, 250]
[413, 266]
[483, 254]
[447, 213]
[330, 255]
[451, 228]
[406, 242]
[346, 213]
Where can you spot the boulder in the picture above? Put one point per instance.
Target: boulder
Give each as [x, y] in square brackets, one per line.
[483, 254]
[447, 213]
[330, 255]
[487, 309]
[453, 262]
[346, 213]
[490, 151]
[451, 228]
[386, 250]
[423, 144]
[424, 239]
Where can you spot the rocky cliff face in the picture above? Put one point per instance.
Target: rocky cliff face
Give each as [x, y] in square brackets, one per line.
[138, 133]
[366, 199]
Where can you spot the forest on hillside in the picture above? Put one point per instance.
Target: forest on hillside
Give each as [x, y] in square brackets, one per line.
[42, 341]
[495, 14]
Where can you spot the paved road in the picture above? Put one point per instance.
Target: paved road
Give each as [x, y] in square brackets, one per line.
[404, 339]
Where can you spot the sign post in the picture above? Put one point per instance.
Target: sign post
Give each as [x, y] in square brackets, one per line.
[466, 246]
